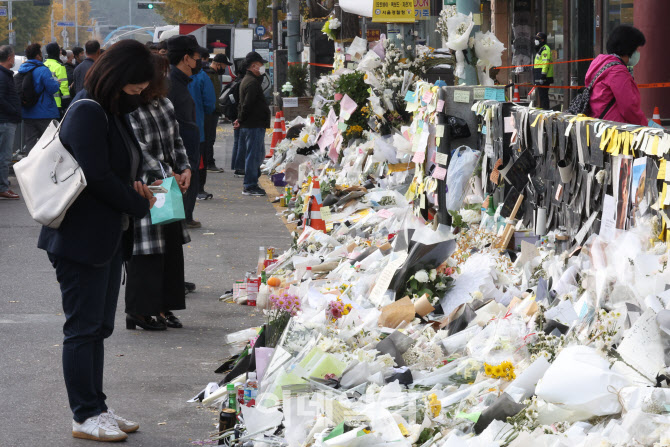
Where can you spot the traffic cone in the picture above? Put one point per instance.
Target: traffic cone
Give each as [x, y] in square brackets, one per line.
[657, 116]
[517, 97]
[283, 124]
[276, 136]
[313, 216]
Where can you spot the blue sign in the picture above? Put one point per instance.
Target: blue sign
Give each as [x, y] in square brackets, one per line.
[64, 23]
[3, 12]
[90, 30]
[260, 30]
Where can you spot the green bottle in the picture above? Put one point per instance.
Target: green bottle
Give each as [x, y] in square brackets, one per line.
[232, 396]
[264, 277]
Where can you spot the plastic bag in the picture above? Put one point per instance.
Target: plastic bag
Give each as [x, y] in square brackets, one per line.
[461, 167]
[581, 381]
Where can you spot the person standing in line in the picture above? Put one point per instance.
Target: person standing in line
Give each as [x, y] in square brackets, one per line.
[10, 117]
[185, 60]
[60, 74]
[543, 70]
[36, 117]
[253, 120]
[69, 69]
[156, 271]
[230, 103]
[216, 69]
[202, 92]
[79, 56]
[92, 55]
[95, 237]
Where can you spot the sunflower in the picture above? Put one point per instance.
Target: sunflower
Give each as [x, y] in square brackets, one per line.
[488, 369]
[497, 371]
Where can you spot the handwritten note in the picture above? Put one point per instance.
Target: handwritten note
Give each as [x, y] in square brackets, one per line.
[439, 131]
[441, 158]
[439, 173]
[440, 105]
[419, 157]
[384, 279]
[410, 96]
[478, 94]
[462, 96]
[347, 107]
[427, 97]
[490, 94]
[325, 213]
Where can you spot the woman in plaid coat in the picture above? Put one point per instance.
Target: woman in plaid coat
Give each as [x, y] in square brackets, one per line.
[156, 270]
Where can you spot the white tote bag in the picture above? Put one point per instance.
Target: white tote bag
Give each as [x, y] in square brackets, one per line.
[50, 177]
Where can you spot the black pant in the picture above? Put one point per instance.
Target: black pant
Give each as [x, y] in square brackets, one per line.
[210, 137]
[90, 294]
[192, 192]
[543, 97]
[33, 130]
[155, 283]
[202, 175]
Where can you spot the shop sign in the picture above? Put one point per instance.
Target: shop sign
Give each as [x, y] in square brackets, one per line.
[393, 11]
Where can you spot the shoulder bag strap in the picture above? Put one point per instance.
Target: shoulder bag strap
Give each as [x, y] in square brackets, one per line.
[611, 64]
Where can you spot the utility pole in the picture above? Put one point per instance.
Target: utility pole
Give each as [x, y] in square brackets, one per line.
[12, 40]
[65, 36]
[275, 47]
[130, 12]
[76, 23]
[53, 36]
[293, 25]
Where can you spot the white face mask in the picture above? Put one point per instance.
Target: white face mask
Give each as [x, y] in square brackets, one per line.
[261, 70]
[537, 43]
[63, 59]
[634, 59]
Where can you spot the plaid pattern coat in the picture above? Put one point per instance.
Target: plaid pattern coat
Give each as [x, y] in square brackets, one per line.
[163, 152]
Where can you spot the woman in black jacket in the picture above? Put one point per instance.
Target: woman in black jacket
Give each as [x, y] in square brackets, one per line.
[96, 235]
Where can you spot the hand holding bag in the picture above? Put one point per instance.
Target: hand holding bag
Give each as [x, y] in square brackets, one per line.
[50, 177]
[169, 206]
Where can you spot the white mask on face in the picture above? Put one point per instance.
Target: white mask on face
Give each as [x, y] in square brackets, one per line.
[537, 43]
[261, 70]
[634, 59]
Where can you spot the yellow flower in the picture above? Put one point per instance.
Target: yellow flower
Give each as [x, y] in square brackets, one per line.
[497, 371]
[488, 369]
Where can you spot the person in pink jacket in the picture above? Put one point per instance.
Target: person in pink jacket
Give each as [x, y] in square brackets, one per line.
[615, 96]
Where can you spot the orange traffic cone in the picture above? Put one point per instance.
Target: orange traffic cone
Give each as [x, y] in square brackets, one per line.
[517, 97]
[283, 124]
[276, 136]
[657, 116]
[313, 216]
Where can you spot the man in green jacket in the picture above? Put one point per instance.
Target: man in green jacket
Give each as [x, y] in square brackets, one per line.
[59, 72]
[543, 70]
[214, 71]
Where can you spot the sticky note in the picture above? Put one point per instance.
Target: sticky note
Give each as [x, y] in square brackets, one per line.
[661, 170]
[440, 105]
[483, 130]
[500, 95]
[427, 97]
[441, 159]
[462, 96]
[478, 94]
[490, 94]
[419, 157]
[439, 130]
[341, 127]
[439, 173]
[410, 96]
[325, 213]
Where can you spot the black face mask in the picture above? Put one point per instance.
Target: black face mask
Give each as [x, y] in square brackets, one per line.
[198, 67]
[128, 103]
[221, 71]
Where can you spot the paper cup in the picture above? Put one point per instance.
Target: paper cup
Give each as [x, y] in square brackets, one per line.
[565, 170]
[422, 306]
[541, 222]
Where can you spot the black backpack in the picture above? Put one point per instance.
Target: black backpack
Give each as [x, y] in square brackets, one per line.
[581, 104]
[25, 87]
[230, 99]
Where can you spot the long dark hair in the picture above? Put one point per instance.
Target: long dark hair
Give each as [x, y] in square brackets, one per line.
[158, 86]
[126, 62]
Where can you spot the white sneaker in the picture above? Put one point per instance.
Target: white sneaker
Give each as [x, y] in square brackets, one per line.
[97, 428]
[123, 424]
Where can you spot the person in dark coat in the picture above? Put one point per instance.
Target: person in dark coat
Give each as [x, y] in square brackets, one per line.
[253, 118]
[185, 60]
[215, 70]
[10, 117]
[92, 55]
[88, 248]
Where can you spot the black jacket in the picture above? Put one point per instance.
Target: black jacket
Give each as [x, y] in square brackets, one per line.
[92, 229]
[10, 104]
[184, 108]
[69, 69]
[253, 111]
[79, 75]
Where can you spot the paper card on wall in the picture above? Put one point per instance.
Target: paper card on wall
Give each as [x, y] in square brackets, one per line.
[412, 107]
[342, 127]
[439, 173]
[440, 105]
[422, 201]
[441, 159]
[410, 96]
[439, 130]
[462, 96]
[490, 94]
[419, 157]
[500, 95]
[347, 107]
[661, 170]
[478, 94]
[483, 130]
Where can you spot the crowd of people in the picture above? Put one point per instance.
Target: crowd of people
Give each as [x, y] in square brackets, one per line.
[131, 116]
